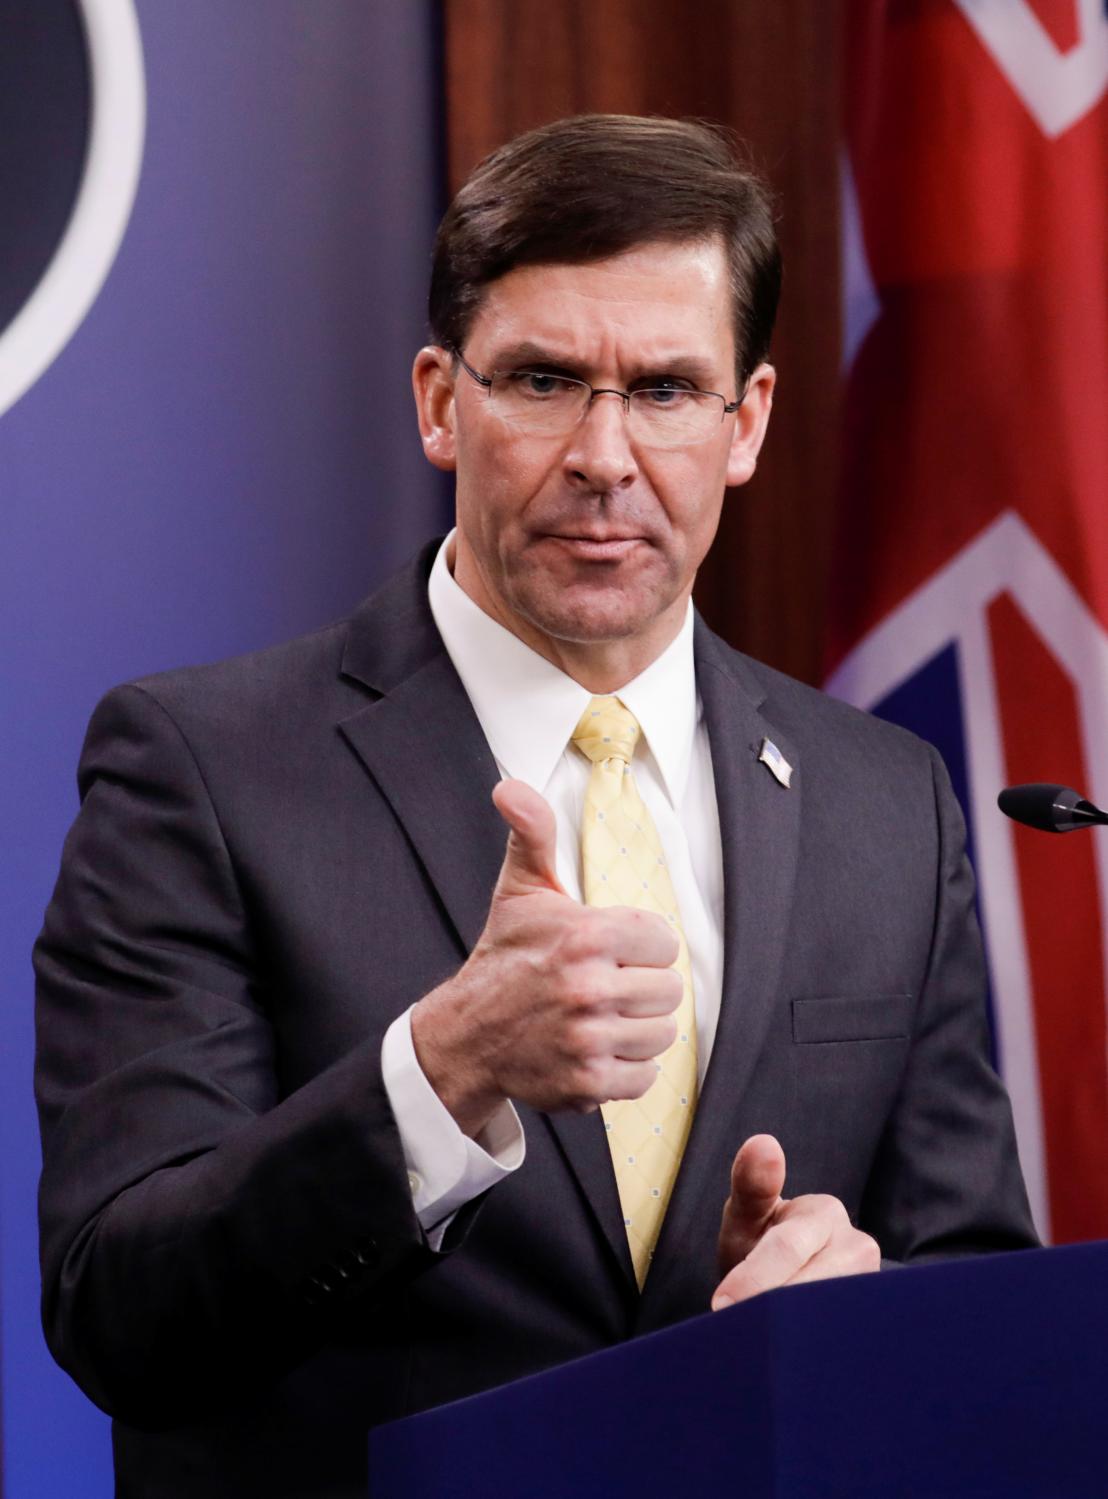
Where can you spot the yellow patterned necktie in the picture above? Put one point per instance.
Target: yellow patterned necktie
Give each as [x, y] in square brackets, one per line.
[623, 865]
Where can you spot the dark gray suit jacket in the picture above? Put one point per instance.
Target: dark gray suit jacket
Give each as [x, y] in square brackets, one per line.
[275, 856]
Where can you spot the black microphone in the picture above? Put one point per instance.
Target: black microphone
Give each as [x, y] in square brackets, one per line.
[1054, 809]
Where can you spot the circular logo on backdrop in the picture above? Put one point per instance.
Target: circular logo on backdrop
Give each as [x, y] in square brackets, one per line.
[72, 118]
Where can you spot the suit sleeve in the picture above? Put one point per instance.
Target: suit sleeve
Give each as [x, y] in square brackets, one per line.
[947, 1179]
[199, 1232]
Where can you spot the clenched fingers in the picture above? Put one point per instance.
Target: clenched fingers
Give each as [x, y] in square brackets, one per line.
[637, 939]
[811, 1238]
[641, 992]
[643, 1040]
[609, 1080]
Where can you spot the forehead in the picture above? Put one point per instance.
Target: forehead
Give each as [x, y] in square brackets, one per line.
[655, 302]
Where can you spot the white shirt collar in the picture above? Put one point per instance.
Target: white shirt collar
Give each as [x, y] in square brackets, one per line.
[528, 708]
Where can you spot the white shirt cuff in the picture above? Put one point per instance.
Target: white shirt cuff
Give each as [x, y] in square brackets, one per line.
[446, 1169]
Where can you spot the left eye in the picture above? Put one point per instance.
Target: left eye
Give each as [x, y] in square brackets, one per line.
[665, 395]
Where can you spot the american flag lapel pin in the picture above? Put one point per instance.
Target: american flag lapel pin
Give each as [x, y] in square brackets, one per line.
[774, 760]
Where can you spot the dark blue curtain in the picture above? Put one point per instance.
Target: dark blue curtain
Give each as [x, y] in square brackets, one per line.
[223, 455]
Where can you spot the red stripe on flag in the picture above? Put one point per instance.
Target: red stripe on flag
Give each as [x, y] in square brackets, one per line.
[1061, 913]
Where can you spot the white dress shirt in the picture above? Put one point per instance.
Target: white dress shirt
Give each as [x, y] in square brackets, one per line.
[528, 709]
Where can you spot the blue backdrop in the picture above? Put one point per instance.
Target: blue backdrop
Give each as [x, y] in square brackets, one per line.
[223, 455]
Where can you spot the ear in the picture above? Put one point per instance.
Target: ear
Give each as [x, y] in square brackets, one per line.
[433, 387]
[751, 421]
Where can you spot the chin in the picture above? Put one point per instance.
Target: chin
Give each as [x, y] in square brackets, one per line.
[588, 619]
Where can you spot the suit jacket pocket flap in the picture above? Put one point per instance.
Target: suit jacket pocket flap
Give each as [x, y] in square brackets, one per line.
[853, 1017]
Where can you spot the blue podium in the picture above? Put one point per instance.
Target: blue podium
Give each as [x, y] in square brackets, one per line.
[984, 1377]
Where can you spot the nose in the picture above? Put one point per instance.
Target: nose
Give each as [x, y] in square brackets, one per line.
[599, 455]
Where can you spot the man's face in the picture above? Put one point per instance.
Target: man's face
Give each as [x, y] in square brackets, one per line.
[579, 541]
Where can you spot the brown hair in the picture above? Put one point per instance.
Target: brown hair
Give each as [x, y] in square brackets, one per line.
[592, 186]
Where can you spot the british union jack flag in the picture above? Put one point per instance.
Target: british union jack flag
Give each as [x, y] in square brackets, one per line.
[971, 587]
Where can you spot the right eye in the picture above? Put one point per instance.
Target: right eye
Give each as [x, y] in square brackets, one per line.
[537, 385]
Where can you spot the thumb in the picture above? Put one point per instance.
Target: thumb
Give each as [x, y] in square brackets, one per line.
[757, 1179]
[529, 863]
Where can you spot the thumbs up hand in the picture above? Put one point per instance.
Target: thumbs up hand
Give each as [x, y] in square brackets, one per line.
[767, 1241]
[560, 1005]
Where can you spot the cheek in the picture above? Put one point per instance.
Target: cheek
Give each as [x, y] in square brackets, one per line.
[690, 492]
[499, 475]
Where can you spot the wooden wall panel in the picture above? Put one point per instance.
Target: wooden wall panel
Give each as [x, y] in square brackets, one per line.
[769, 69]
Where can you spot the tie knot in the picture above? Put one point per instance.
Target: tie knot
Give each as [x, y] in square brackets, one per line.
[607, 728]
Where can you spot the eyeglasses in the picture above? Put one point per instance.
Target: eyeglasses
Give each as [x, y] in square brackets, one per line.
[672, 415]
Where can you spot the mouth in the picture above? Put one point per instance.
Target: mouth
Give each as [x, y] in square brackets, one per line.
[597, 548]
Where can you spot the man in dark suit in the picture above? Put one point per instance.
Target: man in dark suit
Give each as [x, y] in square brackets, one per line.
[321, 1060]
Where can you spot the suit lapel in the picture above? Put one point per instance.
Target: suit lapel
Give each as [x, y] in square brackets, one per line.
[425, 750]
[760, 827]
[422, 744]
[584, 1144]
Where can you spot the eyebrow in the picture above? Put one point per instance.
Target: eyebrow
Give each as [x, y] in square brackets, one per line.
[527, 353]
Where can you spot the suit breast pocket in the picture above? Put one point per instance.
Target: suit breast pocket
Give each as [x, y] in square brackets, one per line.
[848, 1058]
[852, 1017]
